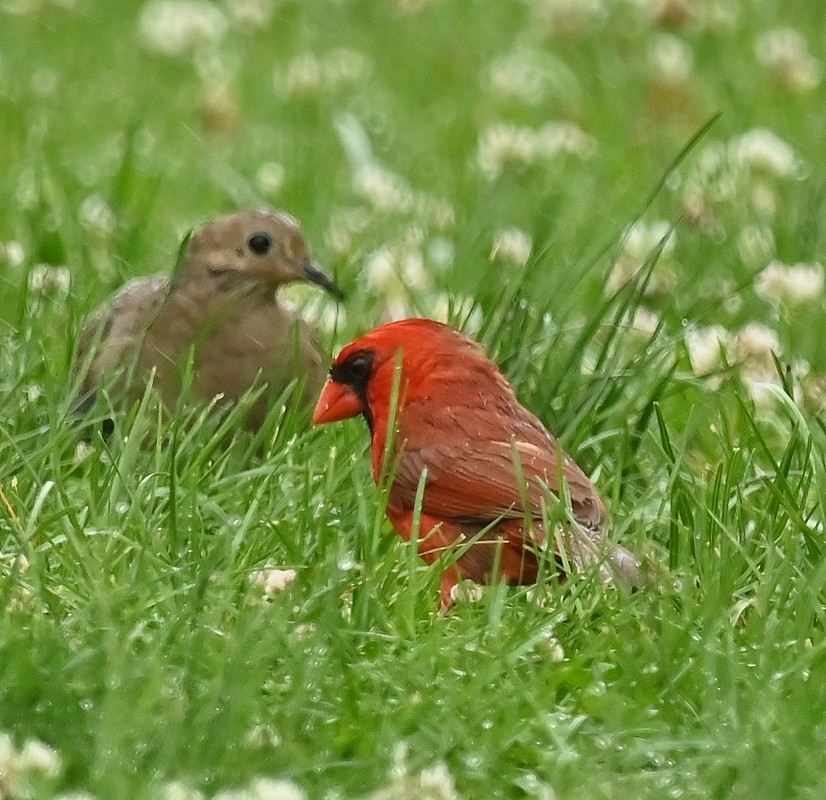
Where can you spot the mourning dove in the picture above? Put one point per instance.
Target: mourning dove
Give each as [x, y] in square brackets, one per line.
[220, 305]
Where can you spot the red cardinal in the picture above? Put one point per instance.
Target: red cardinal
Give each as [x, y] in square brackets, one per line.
[487, 461]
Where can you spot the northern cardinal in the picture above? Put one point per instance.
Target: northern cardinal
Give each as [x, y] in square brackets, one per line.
[484, 461]
[221, 304]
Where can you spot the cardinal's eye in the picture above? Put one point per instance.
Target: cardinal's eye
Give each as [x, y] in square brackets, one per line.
[355, 371]
[360, 367]
[260, 243]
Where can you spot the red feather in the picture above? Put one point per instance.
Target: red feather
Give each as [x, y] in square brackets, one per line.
[489, 461]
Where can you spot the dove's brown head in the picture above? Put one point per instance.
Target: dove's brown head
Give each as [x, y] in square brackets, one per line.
[254, 248]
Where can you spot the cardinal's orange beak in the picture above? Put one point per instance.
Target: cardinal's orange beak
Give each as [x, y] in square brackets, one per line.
[336, 402]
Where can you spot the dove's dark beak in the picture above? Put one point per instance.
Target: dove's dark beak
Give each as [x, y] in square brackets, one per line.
[314, 274]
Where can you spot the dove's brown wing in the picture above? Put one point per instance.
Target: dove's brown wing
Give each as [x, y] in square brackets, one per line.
[111, 335]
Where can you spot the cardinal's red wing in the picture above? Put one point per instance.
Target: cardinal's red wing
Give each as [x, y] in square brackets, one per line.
[470, 448]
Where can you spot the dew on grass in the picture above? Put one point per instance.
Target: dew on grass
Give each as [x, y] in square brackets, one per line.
[530, 783]
[474, 760]
[346, 563]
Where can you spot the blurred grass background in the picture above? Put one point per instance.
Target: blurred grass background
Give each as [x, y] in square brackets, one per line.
[515, 167]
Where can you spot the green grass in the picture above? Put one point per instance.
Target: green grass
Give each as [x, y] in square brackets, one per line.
[132, 640]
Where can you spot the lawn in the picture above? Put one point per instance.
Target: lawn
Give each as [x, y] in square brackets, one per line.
[623, 200]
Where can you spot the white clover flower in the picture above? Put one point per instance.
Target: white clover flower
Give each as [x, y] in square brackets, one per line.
[344, 65]
[761, 387]
[671, 59]
[747, 166]
[554, 138]
[454, 309]
[711, 160]
[764, 198]
[412, 269]
[721, 16]
[255, 13]
[466, 592]
[705, 347]
[178, 790]
[755, 345]
[641, 239]
[435, 210]
[814, 391]
[552, 647]
[270, 178]
[8, 756]
[762, 149]
[327, 317]
[380, 272]
[512, 246]
[385, 190]
[639, 243]
[396, 268]
[45, 279]
[302, 76]
[568, 17]
[755, 245]
[518, 74]
[97, 215]
[436, 782]
[261, 736]
[13, 253]
[399, 274]
[785, 52]
[272, 789]
[21, 770]
[234, 794]
[38, 758]
[179, 27]
[440, 252]
[309, 74]
[502, 144]
[790, 285]
[344, 226]
[433, 783]
[644, 323]
[272, 580]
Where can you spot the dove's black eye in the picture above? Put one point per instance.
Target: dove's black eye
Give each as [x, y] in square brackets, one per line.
[260, 243]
